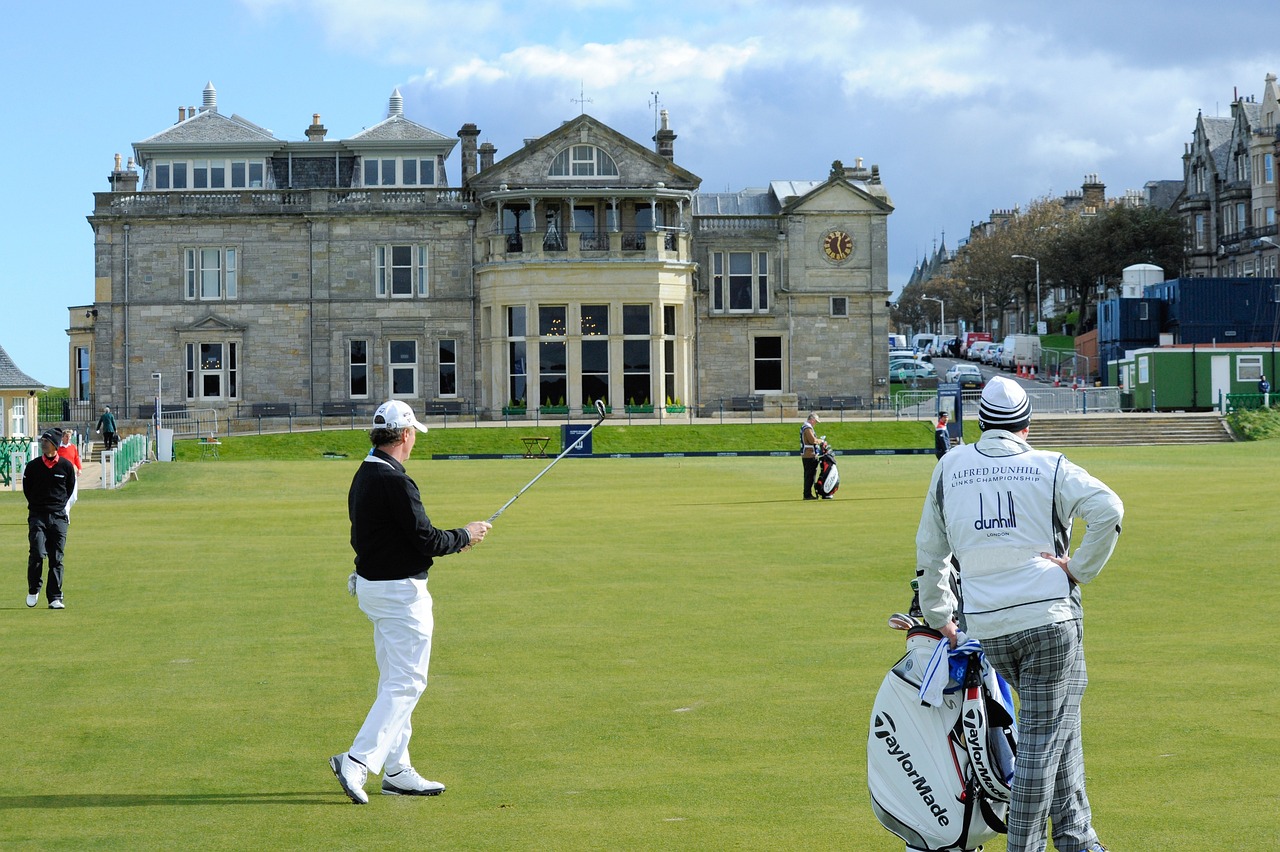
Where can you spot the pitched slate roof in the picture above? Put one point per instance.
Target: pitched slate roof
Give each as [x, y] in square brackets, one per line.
[210, 126]
[11, 378]
[397, 128]
[748, 202]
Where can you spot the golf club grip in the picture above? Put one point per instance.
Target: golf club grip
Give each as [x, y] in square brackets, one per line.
[565, 452]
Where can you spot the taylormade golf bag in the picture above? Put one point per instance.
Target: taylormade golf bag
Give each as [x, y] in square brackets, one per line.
[940, 775]
[827, 481]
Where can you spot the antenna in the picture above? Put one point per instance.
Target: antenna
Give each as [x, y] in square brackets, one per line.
[653, 102]
[581, 100]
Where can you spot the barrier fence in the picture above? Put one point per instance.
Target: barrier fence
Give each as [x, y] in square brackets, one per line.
[119, 463]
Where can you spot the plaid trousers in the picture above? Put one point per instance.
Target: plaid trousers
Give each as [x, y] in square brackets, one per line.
[1046, 667]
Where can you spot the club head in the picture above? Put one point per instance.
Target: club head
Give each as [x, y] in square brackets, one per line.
[600, 408]
[902, 621]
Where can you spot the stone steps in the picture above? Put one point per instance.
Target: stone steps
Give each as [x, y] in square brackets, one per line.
[1104, 430]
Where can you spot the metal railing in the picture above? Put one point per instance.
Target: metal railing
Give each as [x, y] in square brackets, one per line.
[117, 464]
[1104, 400]
[14, 455]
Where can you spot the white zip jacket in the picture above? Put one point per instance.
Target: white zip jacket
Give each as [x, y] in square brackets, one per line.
[997, 505]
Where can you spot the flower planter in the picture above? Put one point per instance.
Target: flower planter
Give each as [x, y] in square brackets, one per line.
[554, 409]
[511, 410]
[639, 409]
[676, 409]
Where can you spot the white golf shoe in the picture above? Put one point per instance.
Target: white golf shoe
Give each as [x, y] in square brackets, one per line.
[32, 599]
[351, 775]
[57, 604]
[407, 782]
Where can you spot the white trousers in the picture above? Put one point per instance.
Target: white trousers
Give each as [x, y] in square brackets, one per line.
[401, 614]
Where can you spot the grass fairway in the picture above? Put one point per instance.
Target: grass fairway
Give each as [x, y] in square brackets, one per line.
[644, 654]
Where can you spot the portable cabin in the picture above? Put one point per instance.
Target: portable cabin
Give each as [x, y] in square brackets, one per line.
[1190, 376]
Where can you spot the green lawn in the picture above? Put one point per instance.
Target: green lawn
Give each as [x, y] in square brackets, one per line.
[644, 654]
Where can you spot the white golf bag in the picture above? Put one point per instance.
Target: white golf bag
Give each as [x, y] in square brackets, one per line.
[827, 481]
[939, 776]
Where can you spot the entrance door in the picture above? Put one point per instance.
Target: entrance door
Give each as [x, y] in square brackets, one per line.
[1220, 376]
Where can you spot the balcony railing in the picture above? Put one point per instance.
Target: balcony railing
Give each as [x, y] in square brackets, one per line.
[277, 201]
[1248, 234]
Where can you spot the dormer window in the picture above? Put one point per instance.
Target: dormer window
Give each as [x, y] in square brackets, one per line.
[579, 161]
[208, 174]
[399, 171]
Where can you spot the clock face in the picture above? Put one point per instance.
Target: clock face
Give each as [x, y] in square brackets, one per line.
[837, 245]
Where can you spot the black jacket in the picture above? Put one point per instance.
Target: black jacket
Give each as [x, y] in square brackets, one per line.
[390, 532]
[48, 488]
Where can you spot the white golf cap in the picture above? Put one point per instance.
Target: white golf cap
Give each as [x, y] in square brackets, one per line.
[394, 414]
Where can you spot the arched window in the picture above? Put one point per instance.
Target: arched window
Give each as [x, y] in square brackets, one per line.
[583, 161]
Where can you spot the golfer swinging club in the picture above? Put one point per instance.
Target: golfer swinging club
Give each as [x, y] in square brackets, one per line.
[394, 543]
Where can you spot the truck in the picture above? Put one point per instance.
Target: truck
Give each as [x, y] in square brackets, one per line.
[971, 337]
[897, 341]
[1021, 350]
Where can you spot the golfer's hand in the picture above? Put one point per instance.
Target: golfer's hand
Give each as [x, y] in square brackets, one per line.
[477, 530]
[1062, 562]
[950, 631]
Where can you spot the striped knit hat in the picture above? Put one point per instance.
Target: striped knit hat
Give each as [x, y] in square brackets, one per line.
[1004, 405]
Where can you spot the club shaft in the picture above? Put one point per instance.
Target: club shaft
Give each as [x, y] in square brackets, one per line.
[566, 451]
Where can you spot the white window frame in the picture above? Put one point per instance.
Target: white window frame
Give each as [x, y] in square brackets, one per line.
[446, 367]
[228, 371]
[582, 161]
[236, 173]
[418, 266]
[398, 369]
[353, 364]
[782, 361]
[217, 267]
[389, 171]
[1248, 368]
[721, 265]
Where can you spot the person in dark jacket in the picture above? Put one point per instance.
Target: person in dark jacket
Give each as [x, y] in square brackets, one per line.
[47, 482]
[941, 436]
[395, 545]
[107, 428]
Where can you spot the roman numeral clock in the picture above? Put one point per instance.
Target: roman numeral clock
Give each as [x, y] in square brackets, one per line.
[837, 245]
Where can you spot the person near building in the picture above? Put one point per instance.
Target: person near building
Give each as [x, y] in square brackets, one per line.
[395, 544]
[809, 454]
[1004, 511]
[941, 436]
[47, 482]
[107, 429]
[69, 451]
[1264, 388]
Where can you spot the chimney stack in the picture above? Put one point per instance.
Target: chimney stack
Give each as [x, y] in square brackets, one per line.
[123, 180]
[1095, 192]
[665, 139]
[182, 114]
[487, 152]
[317, 131]
[468, 134]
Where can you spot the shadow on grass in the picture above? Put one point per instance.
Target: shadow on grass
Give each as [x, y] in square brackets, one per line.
[137, 800]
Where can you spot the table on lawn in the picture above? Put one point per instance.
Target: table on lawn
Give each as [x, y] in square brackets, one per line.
[535, 446]
[209, 447]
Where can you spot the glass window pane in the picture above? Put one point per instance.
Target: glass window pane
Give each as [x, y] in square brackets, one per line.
[448, 352]
[370, 172]
[200, 174]
[635, 319]
[179, 175]
[359, 380]
[551, 321]
[427, 173]
[404, 351]
[162, 176]
[388, 172]
[669, 320]
[516, 321]
[218, 175]
[255, 176]
[636, 355]
[402, 382]
[595, 356]
[410, 172]
[595, 320]
[238, 175]
[768, 347]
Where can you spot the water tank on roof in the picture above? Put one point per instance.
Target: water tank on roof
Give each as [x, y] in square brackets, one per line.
[1136, 278]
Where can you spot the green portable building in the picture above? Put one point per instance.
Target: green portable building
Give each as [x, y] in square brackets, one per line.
[1190, 376]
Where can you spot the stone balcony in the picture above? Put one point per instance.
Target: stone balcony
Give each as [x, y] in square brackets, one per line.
[277, 202]
[664, 245]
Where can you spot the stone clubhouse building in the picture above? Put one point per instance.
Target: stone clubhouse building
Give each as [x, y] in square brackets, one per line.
[245, 274]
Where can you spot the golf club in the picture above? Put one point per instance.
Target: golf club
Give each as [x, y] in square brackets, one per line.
[600, 411]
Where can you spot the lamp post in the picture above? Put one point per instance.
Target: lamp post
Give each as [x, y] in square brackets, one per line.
[1037, 262]
[942, 320]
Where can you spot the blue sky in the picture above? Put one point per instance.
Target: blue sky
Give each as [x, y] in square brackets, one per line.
[965, 106]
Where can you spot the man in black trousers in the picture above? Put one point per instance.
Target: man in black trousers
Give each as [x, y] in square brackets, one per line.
[47, 482]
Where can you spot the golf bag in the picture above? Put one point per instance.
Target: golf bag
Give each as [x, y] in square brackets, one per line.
[940, 776]
[827, 481]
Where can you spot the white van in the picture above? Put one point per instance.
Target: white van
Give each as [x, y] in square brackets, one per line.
[922, 342]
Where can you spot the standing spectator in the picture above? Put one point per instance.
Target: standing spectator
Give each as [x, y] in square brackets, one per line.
[1004, 511]
[394, 543]
[941, 436]
[1264, 388]
[809, 454]
[69, 451]
[47, 482]
[107, 428]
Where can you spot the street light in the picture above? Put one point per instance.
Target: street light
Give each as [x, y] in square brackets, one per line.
[1037, 262]
[942, 321]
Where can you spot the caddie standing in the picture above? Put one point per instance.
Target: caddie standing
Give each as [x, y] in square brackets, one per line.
[48, 482]
[1005, 511]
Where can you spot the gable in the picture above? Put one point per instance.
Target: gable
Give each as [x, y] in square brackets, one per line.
[637, 166]
[834, 196]
[210, 127]
[213, 323]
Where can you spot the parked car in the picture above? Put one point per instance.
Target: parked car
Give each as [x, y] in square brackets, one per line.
[975, 350]
[968, 376]
[906, 371]
[991, 355]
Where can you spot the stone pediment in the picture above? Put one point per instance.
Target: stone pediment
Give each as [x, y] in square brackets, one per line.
[835, 195]
[211, 322]
[637, 165]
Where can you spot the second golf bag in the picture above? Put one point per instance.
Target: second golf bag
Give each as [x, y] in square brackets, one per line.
[827, 481]
[939, 776]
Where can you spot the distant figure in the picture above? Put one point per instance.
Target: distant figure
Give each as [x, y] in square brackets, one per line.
[809, 454]
[1264, 388]
[107, 429]
[71, 453]
[47, 482]
[941, 436]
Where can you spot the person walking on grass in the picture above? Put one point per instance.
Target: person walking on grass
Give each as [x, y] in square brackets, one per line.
[395, 544]
[1004, 511]
[48, 482]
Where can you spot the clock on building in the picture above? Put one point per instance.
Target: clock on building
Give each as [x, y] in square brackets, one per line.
[837, 245]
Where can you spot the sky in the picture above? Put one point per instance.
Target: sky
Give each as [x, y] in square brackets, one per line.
[966, 107]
